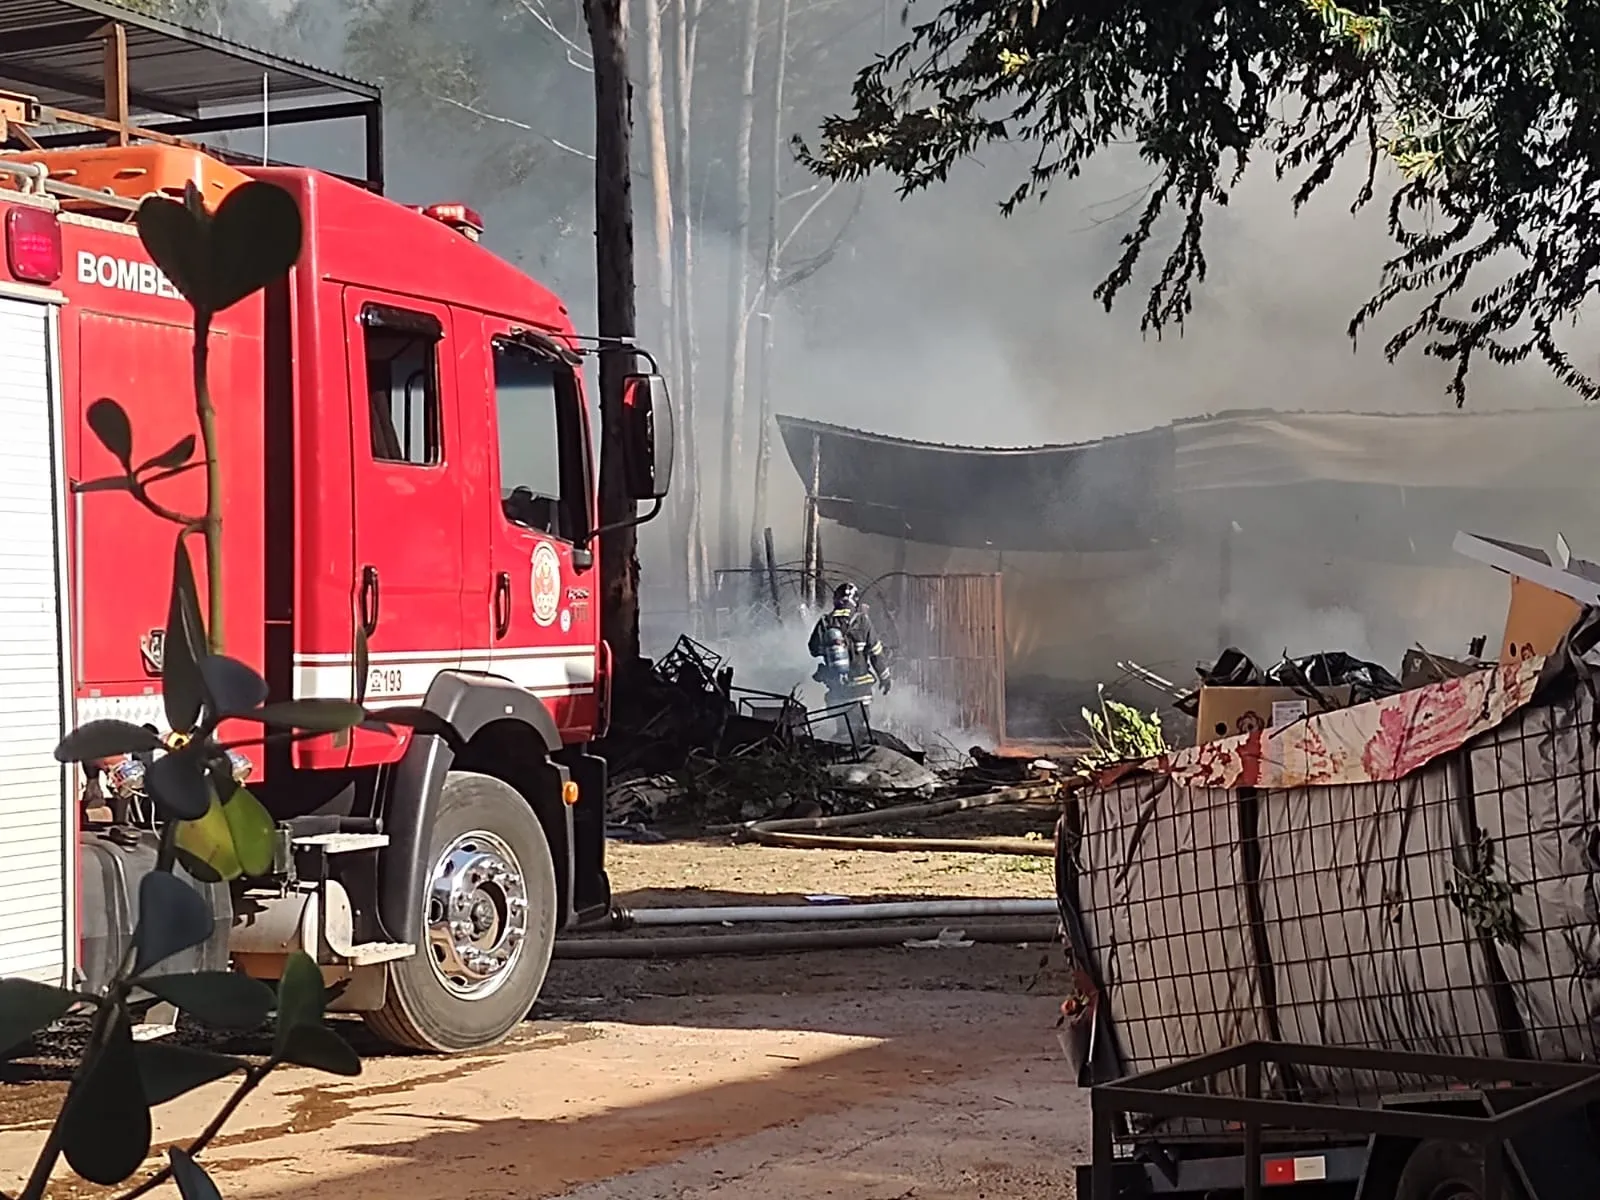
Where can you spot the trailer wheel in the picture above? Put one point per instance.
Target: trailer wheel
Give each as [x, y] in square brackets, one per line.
[1442, 1171]
[489, 924]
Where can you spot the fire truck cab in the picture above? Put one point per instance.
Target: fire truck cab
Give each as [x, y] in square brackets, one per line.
[407, 452]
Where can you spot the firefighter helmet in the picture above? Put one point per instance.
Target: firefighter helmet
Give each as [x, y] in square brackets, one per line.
[845, 596]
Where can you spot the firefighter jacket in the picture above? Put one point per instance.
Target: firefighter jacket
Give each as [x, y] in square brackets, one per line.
[867, 662]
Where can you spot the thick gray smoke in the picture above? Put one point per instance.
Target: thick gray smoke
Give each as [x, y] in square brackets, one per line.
[934, 318]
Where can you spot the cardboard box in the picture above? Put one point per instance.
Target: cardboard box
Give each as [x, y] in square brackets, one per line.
[1536, 621]
[1229, 711]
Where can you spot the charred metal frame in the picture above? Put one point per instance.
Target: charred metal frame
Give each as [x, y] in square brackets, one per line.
[1151, 1093]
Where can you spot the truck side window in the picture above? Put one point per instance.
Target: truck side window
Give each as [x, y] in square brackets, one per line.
[403, 396]
[536, 413]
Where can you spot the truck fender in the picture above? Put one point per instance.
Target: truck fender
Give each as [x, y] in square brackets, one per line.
[469, 702]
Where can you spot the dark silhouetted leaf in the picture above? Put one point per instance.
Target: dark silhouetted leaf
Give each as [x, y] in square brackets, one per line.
[300, 997]
[173, 917]
[112, 483]
[232, 688]
[171, 458]
[314, 716]
[197, 866]
[418, 720]
[179, 241]
[27, 1007]
[363, 664]
[168, 1072]
[181, 688]
[111, 425]
[321, 1048]
[224, 999]
[105, 1130]
[177, 783]
[255, 239]
[191, 1178]
[104, 739]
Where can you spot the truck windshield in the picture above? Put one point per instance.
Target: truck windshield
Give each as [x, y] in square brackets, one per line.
[528, 411]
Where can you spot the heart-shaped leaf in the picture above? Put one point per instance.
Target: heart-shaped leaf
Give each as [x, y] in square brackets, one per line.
[173, 917]
[110, 424]
[320, 1048]
[255, 833]
[232, 688]
[177, 783]
[208, 842]
[255, 239]
[222, 999]
[191, 1178]
[27, 1007]
[168, 1072]
[314, 716]
[182, 690]
[171, 458]
[301, 997]
[105, 739]
[179, 242]
[105, 1130]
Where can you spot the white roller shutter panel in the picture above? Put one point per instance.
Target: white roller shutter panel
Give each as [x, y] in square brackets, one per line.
[35, 809]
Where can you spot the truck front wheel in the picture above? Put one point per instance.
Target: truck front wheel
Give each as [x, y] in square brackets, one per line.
[1442, 1171]
[489, 923]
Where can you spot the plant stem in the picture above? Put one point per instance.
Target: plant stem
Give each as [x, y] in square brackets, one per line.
[212, 522]
[252, 1079]
[44, 1166]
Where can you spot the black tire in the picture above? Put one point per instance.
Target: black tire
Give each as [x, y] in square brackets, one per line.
[1442, 1171]
[480, 820]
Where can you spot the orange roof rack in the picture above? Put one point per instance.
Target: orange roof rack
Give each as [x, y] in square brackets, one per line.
[133, 172]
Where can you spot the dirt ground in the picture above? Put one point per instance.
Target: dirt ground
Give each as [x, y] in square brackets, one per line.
[868, 1074]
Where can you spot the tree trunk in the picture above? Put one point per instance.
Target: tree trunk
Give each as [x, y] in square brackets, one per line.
[613, 236]
[686, 37]
[738, 295]
[660, 170]
[770, 289]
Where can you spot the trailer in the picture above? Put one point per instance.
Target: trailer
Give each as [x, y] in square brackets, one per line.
[1355, 957]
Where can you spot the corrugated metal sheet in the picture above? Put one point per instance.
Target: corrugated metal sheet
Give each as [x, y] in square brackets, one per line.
[34, 813]
[48, 50]
[950, 644]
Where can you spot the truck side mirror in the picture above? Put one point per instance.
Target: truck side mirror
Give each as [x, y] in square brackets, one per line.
[647, 432]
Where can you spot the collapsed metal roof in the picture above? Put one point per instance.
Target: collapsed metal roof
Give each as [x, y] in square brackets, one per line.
[1380, 487]
[62, 52]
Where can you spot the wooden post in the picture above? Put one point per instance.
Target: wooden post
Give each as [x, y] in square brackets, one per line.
[809, 582]
[613, 237]
[117, 82]
[772, 574]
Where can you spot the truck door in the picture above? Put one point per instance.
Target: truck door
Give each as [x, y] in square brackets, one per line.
[409, 480]
[543, 629]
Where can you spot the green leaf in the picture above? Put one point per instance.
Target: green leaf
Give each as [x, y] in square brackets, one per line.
[171, 458]
[223, 999]
[27, 1007]
[182, 690]
[208, 841]
[173, 917]
[168, 1072]
[255, 239]
[178, 240]
[300, 997]
[255, 833]
[105, 739]
[314, 716]
[320, 1048]
[191, 1178]
[105, 1129]
[110, 424]
[177, 783]
[232, 688]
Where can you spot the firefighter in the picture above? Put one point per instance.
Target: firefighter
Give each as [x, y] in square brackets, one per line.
[852, 656]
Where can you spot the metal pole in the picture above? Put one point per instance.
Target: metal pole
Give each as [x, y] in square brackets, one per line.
[116, 70]
[374, 133]
[1101, 1163]
[772, 573]
[1252, 1133]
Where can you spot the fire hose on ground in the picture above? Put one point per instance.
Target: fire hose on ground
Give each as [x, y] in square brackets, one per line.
[789, 832]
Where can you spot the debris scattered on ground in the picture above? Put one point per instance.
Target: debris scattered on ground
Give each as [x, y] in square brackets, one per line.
[881, 769]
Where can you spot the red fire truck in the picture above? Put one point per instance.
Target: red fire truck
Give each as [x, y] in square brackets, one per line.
[407, 451]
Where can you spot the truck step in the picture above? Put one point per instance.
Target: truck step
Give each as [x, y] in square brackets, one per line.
[367, 954]
[343, 843]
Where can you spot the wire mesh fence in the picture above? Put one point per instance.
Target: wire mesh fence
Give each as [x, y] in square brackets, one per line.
[1453, 912]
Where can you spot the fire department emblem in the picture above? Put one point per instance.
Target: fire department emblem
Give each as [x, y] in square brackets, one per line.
[546, 583]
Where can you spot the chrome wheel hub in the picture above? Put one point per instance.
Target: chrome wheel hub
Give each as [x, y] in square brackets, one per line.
[477, 914]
